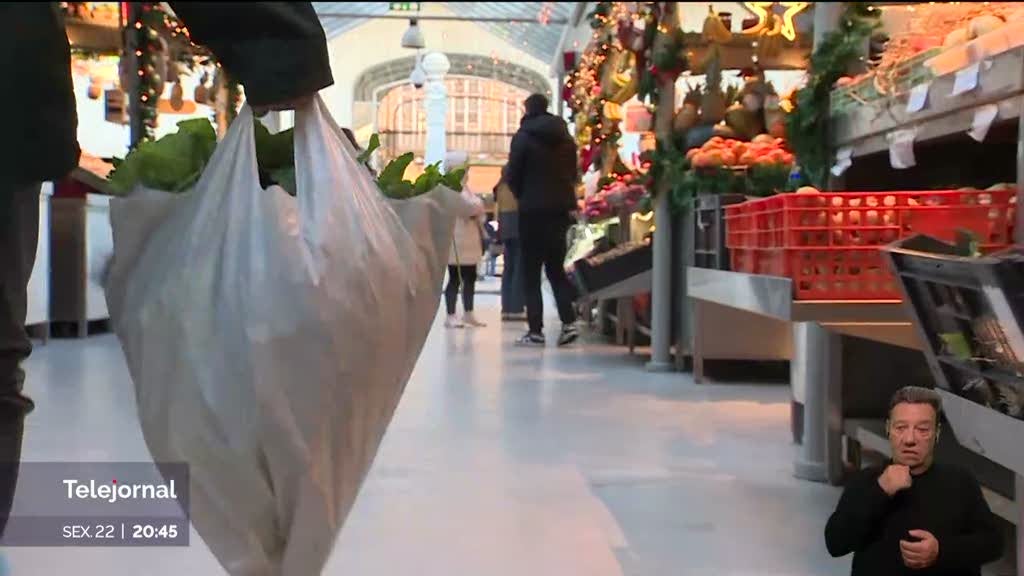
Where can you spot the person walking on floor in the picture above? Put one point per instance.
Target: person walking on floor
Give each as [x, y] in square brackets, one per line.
[466, 253]
[277, 50]
[542, 174]
[513, 302]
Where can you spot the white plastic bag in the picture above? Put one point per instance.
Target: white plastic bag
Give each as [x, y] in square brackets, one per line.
[270, 338]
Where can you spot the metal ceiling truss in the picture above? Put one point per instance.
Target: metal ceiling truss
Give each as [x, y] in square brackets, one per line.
[517, 23]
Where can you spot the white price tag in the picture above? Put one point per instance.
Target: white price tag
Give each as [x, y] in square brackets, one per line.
[983, 118]
[966, 79]
[841, 167]
[844, 159]
[901, 149]
[918, 96]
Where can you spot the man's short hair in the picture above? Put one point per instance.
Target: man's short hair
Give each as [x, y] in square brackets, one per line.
[536, 104]
[917, 395]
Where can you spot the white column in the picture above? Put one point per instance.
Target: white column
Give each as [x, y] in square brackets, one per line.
[661, 275]
[435, 101]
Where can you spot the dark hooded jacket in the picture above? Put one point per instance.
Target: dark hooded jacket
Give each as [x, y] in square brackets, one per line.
[276, 49]
[542, 166]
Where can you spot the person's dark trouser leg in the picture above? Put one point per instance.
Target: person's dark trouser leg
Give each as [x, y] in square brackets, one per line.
[468, 287]
[19, 236]
[554, 265]
[531, 235]
[511, 279]
[451, 292]
[506, 280]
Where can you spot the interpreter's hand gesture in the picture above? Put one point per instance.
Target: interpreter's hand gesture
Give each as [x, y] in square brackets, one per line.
[921, 554]
[895, 478]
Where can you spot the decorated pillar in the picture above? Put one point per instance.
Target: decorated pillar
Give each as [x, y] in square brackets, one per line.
[661, 281]
[435, 66]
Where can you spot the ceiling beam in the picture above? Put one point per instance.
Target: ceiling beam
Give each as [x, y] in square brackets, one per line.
[412, 16]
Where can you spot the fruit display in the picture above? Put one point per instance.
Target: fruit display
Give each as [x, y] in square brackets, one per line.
[737, 112]
[763, 150]
[936, 38]
[715, 29]
[621, 195]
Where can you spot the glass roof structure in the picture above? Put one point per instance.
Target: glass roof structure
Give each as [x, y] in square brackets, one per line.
[539, 37]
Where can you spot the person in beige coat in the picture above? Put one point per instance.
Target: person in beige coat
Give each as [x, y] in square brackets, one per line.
[466, 253]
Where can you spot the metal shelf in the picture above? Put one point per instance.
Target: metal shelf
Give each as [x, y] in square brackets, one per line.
[772, 296]
[632, 286]
[864, 128]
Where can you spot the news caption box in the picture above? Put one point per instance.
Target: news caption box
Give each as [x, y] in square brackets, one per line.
[100, 504]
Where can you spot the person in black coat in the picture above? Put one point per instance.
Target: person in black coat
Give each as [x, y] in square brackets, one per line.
[277, 50]
[542, 174]
[914, 516]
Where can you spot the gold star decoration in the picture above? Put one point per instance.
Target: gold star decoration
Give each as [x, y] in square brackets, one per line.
[763, 11]
[792, 9]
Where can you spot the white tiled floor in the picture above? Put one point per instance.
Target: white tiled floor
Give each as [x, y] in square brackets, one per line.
[503, 461]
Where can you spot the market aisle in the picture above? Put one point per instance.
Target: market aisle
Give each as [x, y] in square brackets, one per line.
[504, 461]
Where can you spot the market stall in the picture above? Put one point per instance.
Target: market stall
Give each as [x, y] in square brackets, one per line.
[611, 262]
[136, 75]
[714, 138]
[921, 134]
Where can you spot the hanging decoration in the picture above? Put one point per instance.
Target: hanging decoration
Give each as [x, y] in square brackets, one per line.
[771, 31]
[162, 50]
[807, 124]
[149, 52]
[664, 52]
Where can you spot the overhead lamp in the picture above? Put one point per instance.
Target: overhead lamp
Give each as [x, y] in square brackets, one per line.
[413, 37]
[418, 77]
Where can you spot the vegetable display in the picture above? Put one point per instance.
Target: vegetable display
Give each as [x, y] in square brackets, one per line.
[727, 152]
[174, 163]
[621, 195]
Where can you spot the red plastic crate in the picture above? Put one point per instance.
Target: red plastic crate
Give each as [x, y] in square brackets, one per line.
[829, 274]
[828, 243]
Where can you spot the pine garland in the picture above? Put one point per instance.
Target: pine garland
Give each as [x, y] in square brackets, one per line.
[147, 44]
[807, 124]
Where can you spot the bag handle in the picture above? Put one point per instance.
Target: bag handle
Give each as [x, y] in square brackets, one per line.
[331, 183]
[231, 179]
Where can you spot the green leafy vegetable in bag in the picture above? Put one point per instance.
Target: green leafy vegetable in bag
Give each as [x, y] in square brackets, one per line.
[274, 151]
[175, 162]
[172, 163]
[370, 149]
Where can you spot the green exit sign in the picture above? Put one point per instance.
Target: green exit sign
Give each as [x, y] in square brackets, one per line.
[405, 6]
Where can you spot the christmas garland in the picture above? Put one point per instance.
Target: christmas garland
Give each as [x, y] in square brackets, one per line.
[807, 124]
[147, 47]
[157, 36]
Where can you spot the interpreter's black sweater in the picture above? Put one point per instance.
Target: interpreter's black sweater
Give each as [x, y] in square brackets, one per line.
[945, 501]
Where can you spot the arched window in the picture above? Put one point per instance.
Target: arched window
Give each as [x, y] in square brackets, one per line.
[483, 115]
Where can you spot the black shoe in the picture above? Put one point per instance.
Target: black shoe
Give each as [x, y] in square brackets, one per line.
[569, 335]
[531, 339]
